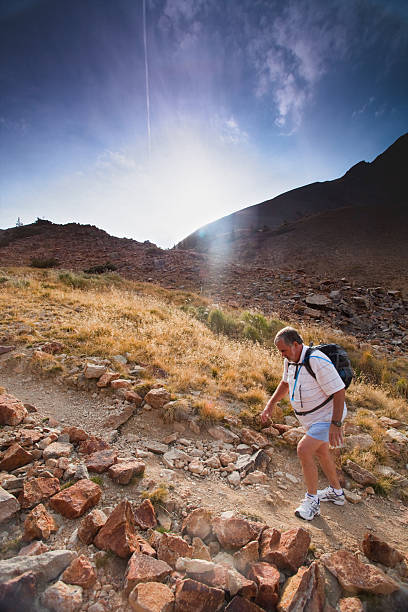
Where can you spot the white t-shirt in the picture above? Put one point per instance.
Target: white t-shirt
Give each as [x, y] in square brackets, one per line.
[306, 392]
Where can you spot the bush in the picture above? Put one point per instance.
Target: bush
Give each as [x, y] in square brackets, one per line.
[222, 323]
[101, 268]
[42, 262]
[73, 280]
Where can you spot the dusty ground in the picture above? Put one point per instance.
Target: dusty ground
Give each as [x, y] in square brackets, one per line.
[336, 527]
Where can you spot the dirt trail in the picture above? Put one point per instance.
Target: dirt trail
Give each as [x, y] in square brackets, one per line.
[337, 527]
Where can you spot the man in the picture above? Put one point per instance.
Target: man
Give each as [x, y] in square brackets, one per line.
[319, 406]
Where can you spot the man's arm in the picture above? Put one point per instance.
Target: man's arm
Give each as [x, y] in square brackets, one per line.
[280, 392]
[335, 433]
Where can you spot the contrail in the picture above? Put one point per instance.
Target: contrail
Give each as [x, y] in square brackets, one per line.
[149, 141]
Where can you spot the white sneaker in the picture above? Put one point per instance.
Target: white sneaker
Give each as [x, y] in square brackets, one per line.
[308, 509]
[329, 495]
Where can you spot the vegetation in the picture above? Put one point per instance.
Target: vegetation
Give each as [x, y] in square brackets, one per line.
[43, 262]
[157, 495]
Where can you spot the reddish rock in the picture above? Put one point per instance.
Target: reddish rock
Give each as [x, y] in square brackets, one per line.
[36, 490]
[121, 383]
[156, 398]
[356, 576]
[171, 547]
[124, 471]
[118, 535]
[246, 556]
[28, 437]
[266, 576]
[143, 568]
[380, 552]
[8, 505]
[304, 591]
[100, 461]
[92, 444]
[236, 532]
[18, 593]
[152, 597]
[80, 572]
[239, 604]
[77, 499]
[359, 474]
[287, 552]
[90, 525]
[60, 596]
[107, 378]
[271, 431]
[132, 396]
[193, 596]
[293, 435]
[53, 348]
[249, 436]
[350, 604]
[55, 450]
[118, 419]
[200, 550]
[12, 412]
[76, 434]
[39, 524]
[281, 427]
[198, 523]
[145, 547]
[145, 516]
[33, 549]
[14, 457]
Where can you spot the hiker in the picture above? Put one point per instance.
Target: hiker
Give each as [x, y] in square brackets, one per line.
[319, 405]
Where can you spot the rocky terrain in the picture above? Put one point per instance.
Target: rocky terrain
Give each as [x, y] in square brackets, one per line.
[114, 495]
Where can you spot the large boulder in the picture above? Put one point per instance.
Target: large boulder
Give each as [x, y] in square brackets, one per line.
[18, 593]
[77, 499]
[233, 533]
[36, 490]
[14, 457]
[359, 474]
[60, 596]
[143, 568]
[266, 576]
[193, 596]
[12, 411]
[118, 535]
[304, 590]
[156, 398]
[171, 547]
[39, 524]
[145, 515]
[8, 505]
[198, 523]
[45, 567]
[152, 597]
[287, 551]
[379, 551]
[90, 525]
[80, 572]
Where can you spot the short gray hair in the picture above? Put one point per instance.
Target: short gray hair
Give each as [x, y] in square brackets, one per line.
[289, 335]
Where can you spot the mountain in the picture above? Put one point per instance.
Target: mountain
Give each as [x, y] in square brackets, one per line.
[379, 187]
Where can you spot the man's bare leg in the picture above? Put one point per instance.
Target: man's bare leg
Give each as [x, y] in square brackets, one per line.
[328, 465]
[306, 450]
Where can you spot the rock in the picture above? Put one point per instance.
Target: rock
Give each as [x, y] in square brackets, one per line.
[293, 436]
[319, 301]
[152, 597]
[196, 466]
[357, 577]
[92, 444]
[259, 461]
[239, 604]
[35, 548]
[251, 437]
[362, 441]
[121, 383]
[379, 551]
[271, 431]
[39, 524]
[222, 434]
[76, 434]
[57, 449]
[246, 556]
[94, 371]
[144, 568]
[156, 398]
[145, 547]
[233, 533]
[234, 478]
[77, 499]
[393, 435]
[198, 523]
[193, 596]
[107, 378]
[60, 596]
[123, 472]
[286, 551]
[18, 593]
[81, 472]
[45, 567]
[80, 572]
[90, 525]
[118, 534]
[36, 490]
[52, 348]
[14, 457]
[134, 398]
[117, 420]
[352, 497]
[350, 604]
[174, 454]
[101, 461]
[200, 550]
[213, 462]
[359, 474]
[171, 547]
[145, 515]
[304, 590]
[8, 505]
[267, 578]
[6, 349]
[156, 447]
[12, 412]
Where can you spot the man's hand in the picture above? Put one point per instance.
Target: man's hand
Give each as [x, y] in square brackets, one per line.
[335, 436]
[266, 413]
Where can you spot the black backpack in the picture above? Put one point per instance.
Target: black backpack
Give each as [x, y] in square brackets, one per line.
[337, 355]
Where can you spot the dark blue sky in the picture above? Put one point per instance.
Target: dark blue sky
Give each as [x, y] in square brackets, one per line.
[247, 98]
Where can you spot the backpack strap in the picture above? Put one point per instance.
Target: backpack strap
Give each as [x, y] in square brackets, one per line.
[306, 362]
[326, 401]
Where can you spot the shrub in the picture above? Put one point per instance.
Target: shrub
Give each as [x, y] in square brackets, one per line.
[158, 495]
[73, 280]
[101, 268]
[222, 323]
[42, 262]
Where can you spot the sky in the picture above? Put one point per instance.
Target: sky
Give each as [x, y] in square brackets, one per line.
[151, 118]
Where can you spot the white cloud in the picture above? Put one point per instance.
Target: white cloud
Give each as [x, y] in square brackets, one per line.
[229, 131]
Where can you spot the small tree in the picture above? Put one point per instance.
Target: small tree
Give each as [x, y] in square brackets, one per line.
[19, 222]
